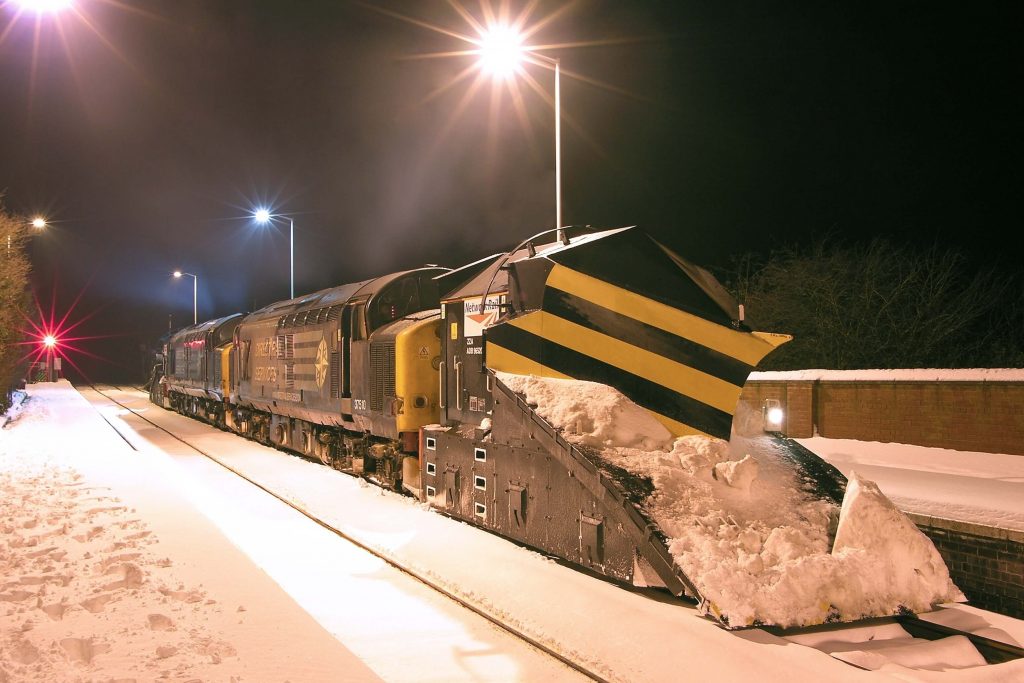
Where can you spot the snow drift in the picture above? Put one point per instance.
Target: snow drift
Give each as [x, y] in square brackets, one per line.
[738, 524]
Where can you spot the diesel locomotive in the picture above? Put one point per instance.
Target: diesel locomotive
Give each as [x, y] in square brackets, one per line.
[396, 379]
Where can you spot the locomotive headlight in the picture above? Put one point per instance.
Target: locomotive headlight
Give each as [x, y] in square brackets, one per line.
[773, 415]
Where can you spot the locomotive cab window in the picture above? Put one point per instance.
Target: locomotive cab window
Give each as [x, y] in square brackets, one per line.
[386, 307]
[395, 301]
[358, 332]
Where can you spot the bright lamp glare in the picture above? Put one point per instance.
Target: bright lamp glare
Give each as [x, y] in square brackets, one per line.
[261, 215]
[44, 6]
[38, 223]
[775, 416]
[501, 49]
[177, 273]
[49, 341]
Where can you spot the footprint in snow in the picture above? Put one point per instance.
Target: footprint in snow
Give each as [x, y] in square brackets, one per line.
[183, 595]
[82, 650]
[22, 651]
[55, 611]
[131, 577]
[89, 535]
[105, 564]
[98, 603]
[160, 622]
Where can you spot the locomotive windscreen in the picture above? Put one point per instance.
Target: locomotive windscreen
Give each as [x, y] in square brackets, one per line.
[410, 294]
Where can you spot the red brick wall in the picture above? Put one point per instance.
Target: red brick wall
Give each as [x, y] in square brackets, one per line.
[987, 564]
[967, 416]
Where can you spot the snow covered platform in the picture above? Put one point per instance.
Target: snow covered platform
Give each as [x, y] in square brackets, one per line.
[107, 572]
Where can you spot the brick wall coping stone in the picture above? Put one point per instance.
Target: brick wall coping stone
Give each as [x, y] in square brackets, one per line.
[899, 375]
[958, 526]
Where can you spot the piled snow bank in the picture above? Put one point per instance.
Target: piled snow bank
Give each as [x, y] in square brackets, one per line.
[594, 414]
[17, 401]
[742, 529]
[905, 566]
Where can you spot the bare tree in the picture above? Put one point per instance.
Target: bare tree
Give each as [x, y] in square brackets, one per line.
[14, 271]
[881, 305]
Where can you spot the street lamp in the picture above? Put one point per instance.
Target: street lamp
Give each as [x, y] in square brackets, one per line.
[263, 216]
[38, 223]
[501, 53]
[195, 289]
[44, 6]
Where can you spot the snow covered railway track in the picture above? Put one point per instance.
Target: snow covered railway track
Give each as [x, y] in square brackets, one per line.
[994, 651]
[385, 557]
[904, 640]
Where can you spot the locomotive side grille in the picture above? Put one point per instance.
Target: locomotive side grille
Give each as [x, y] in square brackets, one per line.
[316, 316]
[382, 371]
[286, 346]
[289, 375]
[389, 370]
[335, 374]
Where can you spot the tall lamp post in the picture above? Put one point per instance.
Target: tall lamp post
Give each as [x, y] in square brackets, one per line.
[263, 216]
[501, 52]
[195, 290]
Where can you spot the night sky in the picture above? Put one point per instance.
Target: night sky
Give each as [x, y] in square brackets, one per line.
[147, 131]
